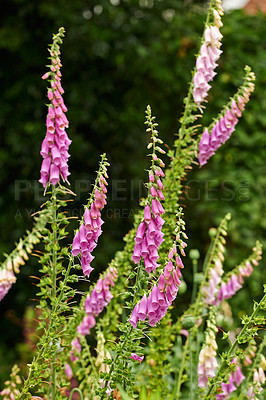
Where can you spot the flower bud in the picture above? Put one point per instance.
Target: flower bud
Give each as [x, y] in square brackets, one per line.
[188, 321]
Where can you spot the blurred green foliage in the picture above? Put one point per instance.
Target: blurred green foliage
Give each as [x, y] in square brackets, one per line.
[118, 56]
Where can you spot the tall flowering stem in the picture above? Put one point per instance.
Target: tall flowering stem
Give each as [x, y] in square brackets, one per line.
[95, 303]
[54, 151]
[207, 356]
[53, 301]
[162, 294]
[86, 237]
[84, 242]
[209, 54]
[223, 127]
[21, 252]
[213, 262]
[55, 145]
[154, 305]
[55, 155]
[148, 239]
[183, 152]
[233, 281]
[191, 104]
[192, 318]
[149, 234]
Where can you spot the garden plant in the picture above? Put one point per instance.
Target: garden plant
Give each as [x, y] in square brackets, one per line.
[133, 334]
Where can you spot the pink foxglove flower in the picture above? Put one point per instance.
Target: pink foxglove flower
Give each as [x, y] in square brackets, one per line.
[68, 371]
[149, 235]
[94, 305]
[224, 127]
[234, 381]
[207, 360]
[86, 325]
[100, 295]
[235, 281]
[75, 349]
[258, 381]
[206, 63]
[86, 237]
[55, 145]
[136, 357]
[134, 316]
[210, 291]
[161, 296]
[98, 299]
[7, 278]
[228, 289]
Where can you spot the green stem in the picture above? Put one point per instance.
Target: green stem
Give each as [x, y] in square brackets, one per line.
[28, 383]
[54, 276]
[190, 367]
[54, 243]
[180, 375]
[99, 173]
[128, 333]
[76, 390]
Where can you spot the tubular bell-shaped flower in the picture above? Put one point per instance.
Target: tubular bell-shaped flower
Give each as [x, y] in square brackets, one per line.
[162, 295]
[135, 357]
[55, 145]
[94, 304]
[206, 61]
[86, 237]
[164, 292]
[221, 131]
[215, 276]
[100, 295]
[234, 381]
[207, 356]
[235, 279]
[7, 278]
